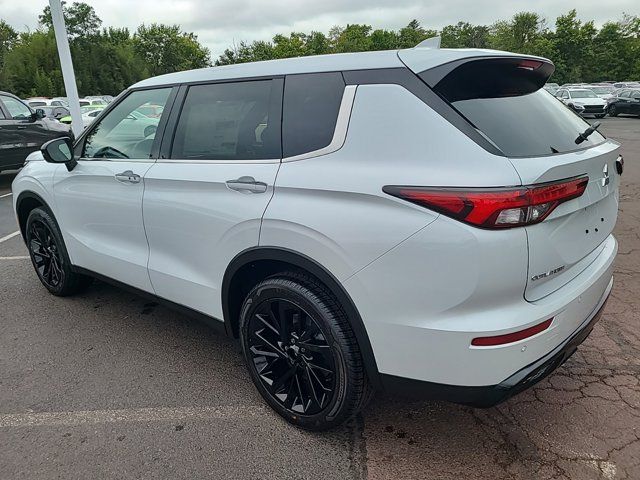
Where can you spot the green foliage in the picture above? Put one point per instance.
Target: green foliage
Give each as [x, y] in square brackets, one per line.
[80, 19]
[579, 50]
[8, 38]
[107, 61]
[166, 49]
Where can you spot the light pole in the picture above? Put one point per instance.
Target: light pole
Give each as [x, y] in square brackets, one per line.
[66, 64]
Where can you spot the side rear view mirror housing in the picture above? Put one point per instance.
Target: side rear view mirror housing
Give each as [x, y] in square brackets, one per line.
[39, 114]
[59, 150]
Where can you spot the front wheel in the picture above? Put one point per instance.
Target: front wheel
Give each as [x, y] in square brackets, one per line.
[613, 111]
[301, 352]
[49, 255]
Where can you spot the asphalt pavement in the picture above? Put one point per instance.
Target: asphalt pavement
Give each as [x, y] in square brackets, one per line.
[109, 385]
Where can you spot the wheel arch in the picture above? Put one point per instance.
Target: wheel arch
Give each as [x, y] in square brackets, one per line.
[25, 203]
[254, 264]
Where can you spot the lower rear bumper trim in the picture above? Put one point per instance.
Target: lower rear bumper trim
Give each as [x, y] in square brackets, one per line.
[491, 395]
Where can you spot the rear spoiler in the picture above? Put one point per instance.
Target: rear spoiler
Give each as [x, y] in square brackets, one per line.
[459, 74]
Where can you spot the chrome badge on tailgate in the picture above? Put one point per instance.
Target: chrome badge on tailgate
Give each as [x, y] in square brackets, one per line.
[547, 274]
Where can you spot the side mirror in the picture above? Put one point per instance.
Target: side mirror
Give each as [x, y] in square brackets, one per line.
[40, 114]
[59, 150]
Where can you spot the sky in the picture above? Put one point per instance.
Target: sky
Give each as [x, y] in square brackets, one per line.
[220, 23]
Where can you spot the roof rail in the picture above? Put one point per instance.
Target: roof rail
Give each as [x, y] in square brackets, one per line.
[433, 42]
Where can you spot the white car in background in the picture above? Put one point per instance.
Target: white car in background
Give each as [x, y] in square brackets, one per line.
[419, 220]
[583, 101]
[35, 102]
[602, 91]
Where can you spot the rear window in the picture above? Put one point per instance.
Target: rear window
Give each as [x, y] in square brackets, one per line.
[506, 103]
[310, 111]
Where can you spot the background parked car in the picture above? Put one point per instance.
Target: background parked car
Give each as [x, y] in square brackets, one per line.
[55, 113]
[602, 91]
[86, 111]
[37, 102]
[626, 101]
[583, 101]
[23, 130]
[151, 111]
[626, 85]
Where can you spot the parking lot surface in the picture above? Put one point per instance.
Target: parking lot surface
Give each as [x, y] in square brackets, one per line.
[108, 385]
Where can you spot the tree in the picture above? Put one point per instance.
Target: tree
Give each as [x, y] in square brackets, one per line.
[166, 49]
[413, 34]
[80, 19]
[465, 35]
[354, 38]
[573, 42]
[8, 38]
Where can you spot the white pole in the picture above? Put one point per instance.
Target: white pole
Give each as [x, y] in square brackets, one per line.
[66, 64]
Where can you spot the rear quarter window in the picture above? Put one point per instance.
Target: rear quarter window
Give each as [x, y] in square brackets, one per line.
[310, 111]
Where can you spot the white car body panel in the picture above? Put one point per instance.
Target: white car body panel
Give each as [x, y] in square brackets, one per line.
[332, 208]
[101, 219]
[196, 225]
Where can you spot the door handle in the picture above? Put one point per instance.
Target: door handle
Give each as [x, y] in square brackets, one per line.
[247, 184]
[128, 177]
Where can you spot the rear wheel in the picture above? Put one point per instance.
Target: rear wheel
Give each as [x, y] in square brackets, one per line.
[49, 255]
[301, 352]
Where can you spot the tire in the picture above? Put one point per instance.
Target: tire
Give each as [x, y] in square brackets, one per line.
[613, 111]
[49, 255]
[293, 332]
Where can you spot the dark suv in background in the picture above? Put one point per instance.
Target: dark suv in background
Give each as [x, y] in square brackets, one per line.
[23, 130]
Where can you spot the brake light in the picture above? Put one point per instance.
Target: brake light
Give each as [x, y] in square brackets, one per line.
[511, 337]
[529, 64]
[494, 208]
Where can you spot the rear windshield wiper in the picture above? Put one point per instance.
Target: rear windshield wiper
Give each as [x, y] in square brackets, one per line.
[584, 135]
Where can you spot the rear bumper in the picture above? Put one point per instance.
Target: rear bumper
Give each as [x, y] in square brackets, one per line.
[490, 395]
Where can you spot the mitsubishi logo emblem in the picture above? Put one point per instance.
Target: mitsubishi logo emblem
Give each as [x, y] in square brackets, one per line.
[605, 175]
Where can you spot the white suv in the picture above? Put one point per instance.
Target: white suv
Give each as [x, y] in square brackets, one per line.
[428, 221]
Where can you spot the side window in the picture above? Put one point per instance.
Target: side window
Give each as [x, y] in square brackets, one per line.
[229, 121]
[2, 117]
[310, 111]
[125, 132]
[623, 94]
[16, 108]
[635, 94]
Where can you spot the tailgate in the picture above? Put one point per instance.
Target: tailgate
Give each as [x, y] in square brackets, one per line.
[571, 238]
[501, 96]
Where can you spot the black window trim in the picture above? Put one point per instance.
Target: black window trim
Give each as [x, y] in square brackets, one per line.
[171, 127]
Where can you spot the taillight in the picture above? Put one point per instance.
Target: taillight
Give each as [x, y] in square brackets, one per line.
[494, 207]
[511, 337]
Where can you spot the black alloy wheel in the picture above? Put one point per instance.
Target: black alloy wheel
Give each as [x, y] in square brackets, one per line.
[291, 356]
[45, 254]
[49, 255]
[613, 111]
[301, 352]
